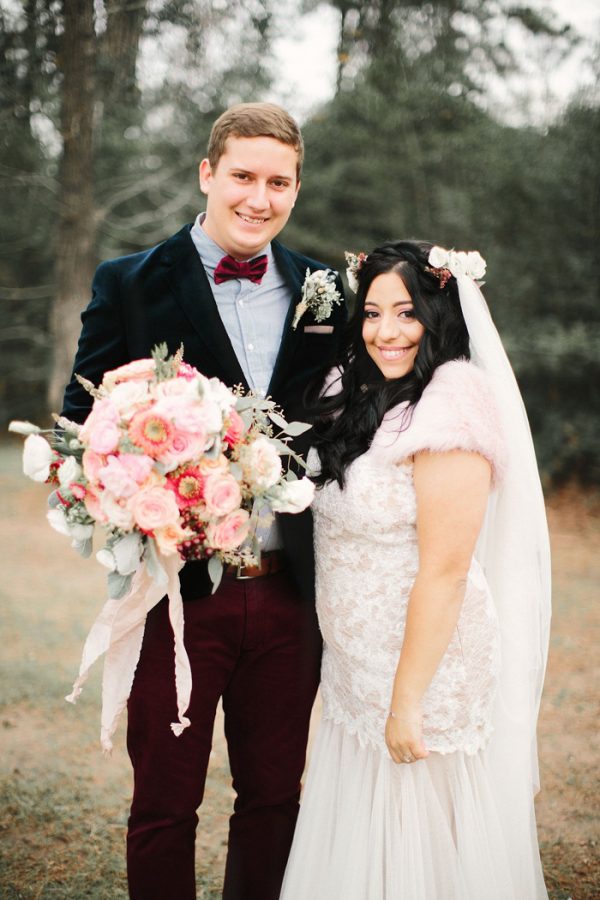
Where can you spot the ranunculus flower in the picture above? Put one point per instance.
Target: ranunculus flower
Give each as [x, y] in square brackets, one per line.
[154, 507]
[291, 496]
[151, 431]
[138, 369]
[169, 537]
[209, 466]
[235, 428]
[222, 494]
[230, 532]
[37, 456]
[261, 462]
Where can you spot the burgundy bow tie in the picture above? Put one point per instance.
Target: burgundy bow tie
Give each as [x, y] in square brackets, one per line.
[228, 268]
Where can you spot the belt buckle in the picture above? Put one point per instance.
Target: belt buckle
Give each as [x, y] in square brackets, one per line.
[239, 576]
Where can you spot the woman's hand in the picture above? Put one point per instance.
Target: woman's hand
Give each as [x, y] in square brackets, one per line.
[404, 735]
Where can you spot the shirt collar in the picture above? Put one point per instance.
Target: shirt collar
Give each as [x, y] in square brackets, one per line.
[209, 251]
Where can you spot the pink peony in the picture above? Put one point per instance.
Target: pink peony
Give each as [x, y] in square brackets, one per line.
[230, 532]
[137, 465]
[235, 428]
[104, 437]
[154, 507]
[152, 432]
[115, 478]
[221, 494]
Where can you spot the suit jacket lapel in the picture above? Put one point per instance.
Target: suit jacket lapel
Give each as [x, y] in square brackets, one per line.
[190, 287]
[294, 277]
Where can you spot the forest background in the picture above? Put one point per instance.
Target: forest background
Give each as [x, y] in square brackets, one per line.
[106, 110]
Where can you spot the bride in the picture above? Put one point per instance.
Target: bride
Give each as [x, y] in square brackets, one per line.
[433, 600]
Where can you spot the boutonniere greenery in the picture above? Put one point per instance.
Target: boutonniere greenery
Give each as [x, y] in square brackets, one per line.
[319, 294]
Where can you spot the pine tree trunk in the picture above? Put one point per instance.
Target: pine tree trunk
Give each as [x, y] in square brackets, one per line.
[75, 245]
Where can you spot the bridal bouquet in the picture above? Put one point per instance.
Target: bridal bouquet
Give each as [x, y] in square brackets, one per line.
[173, 466]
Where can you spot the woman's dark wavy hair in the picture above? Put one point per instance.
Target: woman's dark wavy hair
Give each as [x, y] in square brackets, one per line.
[345, 423]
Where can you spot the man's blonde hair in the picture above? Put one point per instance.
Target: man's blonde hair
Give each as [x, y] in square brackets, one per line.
[255, 120]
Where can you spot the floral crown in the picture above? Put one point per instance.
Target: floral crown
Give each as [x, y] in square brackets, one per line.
[355, 262]
[445, 263]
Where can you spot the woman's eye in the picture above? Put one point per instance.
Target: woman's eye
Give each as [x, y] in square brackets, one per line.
[370, 314]
[408, 314]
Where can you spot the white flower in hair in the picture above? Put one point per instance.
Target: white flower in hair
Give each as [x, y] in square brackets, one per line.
[456, 262]
[354, 264]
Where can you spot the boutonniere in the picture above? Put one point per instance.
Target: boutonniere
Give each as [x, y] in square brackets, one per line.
[319, 294]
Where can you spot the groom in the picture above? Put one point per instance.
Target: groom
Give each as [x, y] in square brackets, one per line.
[227, 290]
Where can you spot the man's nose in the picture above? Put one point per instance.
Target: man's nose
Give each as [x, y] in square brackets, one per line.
[258, 197]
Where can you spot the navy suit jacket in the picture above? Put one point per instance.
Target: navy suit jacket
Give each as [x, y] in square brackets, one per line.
[163, 295]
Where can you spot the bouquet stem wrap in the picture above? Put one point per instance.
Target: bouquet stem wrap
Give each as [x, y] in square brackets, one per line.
[118, 632]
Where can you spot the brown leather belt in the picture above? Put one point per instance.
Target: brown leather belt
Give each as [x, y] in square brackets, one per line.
[271, 561]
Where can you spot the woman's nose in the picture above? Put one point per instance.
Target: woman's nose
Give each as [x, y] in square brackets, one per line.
[389, 328]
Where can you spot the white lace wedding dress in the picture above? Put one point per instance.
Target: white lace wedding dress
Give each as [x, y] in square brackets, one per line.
[370, 829]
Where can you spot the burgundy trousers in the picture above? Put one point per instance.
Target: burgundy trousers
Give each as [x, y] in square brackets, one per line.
[256, 644]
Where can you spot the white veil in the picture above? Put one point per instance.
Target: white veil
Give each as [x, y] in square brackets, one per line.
[514, 552]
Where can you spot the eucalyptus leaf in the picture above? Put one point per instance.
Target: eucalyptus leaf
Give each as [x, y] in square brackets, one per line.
[215, 571]
[278, 420]
[118, 585]
[155, 570]
[84, 548]
[296, 428]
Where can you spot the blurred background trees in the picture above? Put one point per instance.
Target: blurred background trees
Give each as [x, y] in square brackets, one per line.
[106, 112]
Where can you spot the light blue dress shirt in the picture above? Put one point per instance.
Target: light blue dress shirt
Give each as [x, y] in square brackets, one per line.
[254, 317]
[253, 314]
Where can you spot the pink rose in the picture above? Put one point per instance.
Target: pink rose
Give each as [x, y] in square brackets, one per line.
[100, 431]
[221, 494]
[184, 448]
[235, 428]
[139, 368]
[209, 466]
[154, 507]
[230, 532]
[169, 537]
[190, 414]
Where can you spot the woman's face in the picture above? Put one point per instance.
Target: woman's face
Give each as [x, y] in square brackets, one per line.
[390, 331]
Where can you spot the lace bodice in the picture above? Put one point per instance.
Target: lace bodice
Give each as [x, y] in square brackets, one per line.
[367, 559]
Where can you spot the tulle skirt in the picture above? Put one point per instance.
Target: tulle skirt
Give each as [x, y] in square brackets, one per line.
[370, 829]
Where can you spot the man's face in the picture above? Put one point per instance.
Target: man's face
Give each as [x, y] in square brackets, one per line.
[250, 193]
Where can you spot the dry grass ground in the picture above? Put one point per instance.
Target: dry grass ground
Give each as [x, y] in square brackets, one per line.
[63, 807]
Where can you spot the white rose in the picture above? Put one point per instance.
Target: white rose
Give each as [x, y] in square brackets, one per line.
[438, 257]
[37, 456]
[476, 265]
[69, 472]
[262, 466]
[292, 496]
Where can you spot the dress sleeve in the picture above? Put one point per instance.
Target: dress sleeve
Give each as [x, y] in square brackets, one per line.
[457, 411]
